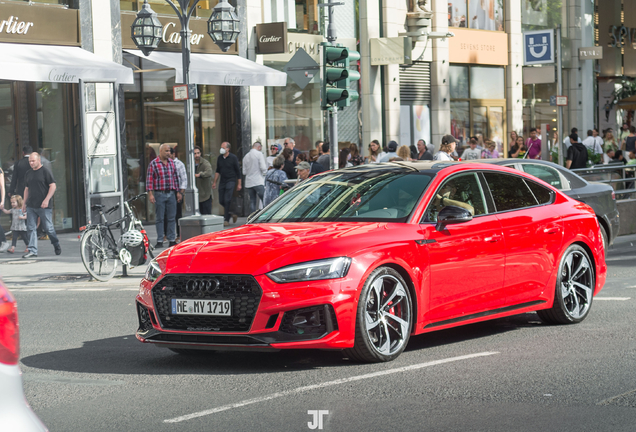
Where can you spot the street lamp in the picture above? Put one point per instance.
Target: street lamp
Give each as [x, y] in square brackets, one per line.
[146, 29]
[223, 28]
[223, 25]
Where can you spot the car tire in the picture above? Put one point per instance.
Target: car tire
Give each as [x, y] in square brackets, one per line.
[191, 352]
[382, 332]
[574, 289]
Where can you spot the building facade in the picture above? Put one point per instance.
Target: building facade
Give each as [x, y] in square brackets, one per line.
[472, 83]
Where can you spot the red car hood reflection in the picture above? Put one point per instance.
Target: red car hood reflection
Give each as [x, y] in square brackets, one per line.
[260, 248]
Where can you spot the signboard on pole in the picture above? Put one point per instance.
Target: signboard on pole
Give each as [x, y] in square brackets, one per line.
[591, 53]
[180, 92]
[561, 100]
[538, 47]
[302, 68]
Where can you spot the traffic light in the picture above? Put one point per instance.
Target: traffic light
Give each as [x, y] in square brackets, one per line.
[352, 76]
[337, 76]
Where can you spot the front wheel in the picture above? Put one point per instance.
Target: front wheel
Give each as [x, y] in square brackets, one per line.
[97, 255]
[574, 289]
[383, 319]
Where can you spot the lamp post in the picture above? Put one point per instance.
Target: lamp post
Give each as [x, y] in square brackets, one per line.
[223, 28]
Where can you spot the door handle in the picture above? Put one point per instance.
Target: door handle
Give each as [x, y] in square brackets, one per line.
[552, 230]
[493, 238]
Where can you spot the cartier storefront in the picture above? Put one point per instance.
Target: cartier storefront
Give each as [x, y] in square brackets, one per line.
[42, 64]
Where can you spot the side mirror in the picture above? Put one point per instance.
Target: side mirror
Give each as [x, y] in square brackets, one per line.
[452, 215]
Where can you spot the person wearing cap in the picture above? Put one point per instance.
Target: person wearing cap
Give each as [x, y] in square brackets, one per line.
[303, 170]
[577, 154]
[392, 152]
[446, 149]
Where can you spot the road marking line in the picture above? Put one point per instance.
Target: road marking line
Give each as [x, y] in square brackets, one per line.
[323, 385]
[37, 289]
[89, 289]
[613, 398]
[613, 298]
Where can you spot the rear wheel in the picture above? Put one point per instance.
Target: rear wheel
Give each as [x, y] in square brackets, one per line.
[97, 255]
[574, 289]
[383, 319]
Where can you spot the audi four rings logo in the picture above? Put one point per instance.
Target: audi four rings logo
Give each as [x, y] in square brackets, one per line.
[202, 285]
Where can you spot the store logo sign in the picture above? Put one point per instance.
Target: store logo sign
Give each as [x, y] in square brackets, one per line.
[232, 80]
[14, 26]
[622, 36]
[271, 38]
[62, 76]
[538, 47]
[175, 37]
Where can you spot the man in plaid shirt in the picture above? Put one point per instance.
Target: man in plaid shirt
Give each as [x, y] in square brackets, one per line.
[162, 183]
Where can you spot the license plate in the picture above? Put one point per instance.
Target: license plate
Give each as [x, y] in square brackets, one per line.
[201, 307]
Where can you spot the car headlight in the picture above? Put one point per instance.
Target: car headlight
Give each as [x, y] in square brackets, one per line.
[153, 271]
[333, 268]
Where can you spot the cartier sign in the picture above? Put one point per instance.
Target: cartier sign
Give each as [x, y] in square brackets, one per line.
[271, 38]
[200, 42]
[21, 23]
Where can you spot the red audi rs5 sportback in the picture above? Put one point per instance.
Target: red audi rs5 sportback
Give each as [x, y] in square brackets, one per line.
[360, 259]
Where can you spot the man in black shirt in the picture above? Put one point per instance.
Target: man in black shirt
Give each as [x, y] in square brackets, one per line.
[19, 172]
[577, 154]
[228, 170]
[39, 189]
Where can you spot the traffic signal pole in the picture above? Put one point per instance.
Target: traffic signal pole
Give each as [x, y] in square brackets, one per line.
[333, 110]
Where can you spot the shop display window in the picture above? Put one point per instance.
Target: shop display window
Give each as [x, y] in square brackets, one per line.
[301, 16]
[478, 104]
[476, 14]
[203, 9]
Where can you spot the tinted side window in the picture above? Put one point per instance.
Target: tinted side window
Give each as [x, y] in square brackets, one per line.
[545, 173]
[541, 193]
[462, 190]
[509, 192]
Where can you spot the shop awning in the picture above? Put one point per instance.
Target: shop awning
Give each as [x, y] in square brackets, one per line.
[219, 69]
[53, 63]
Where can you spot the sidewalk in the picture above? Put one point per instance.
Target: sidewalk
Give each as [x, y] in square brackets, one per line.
[66, 270]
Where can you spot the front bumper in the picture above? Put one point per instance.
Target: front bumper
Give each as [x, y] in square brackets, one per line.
[315, 314]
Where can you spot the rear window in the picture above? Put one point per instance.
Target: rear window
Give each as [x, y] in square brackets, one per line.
[541, 193]
[509, 192]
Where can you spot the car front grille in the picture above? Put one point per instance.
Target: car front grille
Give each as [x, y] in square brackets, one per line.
[242, 290]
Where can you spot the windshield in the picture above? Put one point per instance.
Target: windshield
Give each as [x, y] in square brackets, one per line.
[354, 195]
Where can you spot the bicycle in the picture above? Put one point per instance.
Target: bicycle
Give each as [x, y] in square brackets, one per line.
[101, 252]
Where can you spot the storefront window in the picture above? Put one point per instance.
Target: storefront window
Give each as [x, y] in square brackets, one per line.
[300, 15]
[55, 2]
[487, 82]
[477, 103]
[458, 78]
[543, 14]
[154, 118]
[203, 9]
[293, 112]
[476, 14]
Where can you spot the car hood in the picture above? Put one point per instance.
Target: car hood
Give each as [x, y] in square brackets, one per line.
[259, 248]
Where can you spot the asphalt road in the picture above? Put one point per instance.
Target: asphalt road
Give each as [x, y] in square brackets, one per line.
[85, 371]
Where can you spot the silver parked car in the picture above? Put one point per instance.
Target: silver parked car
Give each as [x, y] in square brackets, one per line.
[15, 413]
[599, 196]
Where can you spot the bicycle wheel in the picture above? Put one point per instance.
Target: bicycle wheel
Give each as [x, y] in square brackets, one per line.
[97, 255]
